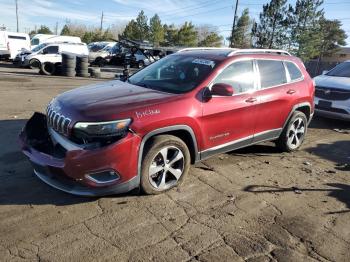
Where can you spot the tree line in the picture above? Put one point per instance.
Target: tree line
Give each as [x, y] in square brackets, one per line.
[159, 34]
[301, 29]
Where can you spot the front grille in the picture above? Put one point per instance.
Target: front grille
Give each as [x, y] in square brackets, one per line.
[332, 93]
[57, 121]
[332, 109]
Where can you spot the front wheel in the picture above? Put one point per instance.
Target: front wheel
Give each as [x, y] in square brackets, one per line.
[293, 134]
[34, 63]
[165, 164]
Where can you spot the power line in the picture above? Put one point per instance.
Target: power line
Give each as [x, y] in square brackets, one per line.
[209, 11]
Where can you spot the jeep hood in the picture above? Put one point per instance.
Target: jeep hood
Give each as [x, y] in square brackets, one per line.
[333, 82]
[107, 101]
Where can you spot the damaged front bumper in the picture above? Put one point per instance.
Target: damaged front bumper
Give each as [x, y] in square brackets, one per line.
[76, 169]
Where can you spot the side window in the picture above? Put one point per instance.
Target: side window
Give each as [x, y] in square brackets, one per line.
[272, 73]
[51, 49]
[240, 75]
[293, 70]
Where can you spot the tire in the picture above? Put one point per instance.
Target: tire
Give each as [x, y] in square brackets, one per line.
[100, 62]
[160, 147]
[34, 64]
[293, 134]
[48, 68]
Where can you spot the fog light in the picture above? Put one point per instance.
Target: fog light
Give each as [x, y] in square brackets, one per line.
[103, 177]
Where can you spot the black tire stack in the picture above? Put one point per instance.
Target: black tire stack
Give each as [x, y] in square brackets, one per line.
[95, 72]
[68, 65]
[82, 66]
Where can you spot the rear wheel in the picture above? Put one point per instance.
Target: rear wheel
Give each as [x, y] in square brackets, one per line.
[294, 133]
[165, 164]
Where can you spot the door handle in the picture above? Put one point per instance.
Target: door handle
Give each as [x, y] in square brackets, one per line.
[291, 91]
[251, 100]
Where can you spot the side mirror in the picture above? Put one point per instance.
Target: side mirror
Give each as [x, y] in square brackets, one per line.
[324, 72]
[45, 52]
[221, 89]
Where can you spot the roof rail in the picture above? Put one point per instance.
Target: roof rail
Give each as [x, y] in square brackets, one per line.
[258, 51]
[206, 48]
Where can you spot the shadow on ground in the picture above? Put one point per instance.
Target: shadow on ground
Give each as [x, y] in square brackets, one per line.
[339, 191]
[328, 123]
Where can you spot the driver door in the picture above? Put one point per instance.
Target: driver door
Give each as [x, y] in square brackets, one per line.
[228, 121]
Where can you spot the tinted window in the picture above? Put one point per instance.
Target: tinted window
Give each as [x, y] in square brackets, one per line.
[51, 50]
[341, 70]
[272, 73]
[294, 71]
[240, 75]
[17, 37]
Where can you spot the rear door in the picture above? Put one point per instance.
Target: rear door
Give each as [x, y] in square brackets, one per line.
[228, 121]
[275, 97]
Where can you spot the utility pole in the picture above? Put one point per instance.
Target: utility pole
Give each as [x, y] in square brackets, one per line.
[56, 28]
[17, 15]
[101, 21]
[234, 24]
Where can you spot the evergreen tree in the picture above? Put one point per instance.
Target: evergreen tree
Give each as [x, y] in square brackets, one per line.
[241, 36]
[187, 35]
[44, 30]
[270, 32]
[332, 36]
[171, 35]
[130, 31]
[306, 33]
[142, 26]
[211, 40]
[156, 30]
[65, 30]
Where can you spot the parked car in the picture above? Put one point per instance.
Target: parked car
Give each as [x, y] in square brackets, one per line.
[113, 137]
[12, 43]
[99, 52]
[332, 95]
[52, 53]
[46, 38]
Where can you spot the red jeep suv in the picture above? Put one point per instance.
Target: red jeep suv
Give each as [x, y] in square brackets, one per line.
[145, 132]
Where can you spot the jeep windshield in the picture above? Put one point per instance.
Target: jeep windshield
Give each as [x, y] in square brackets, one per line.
[174, 74]
[341, 70]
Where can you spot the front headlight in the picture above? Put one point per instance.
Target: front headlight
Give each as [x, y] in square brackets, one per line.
[102, 129]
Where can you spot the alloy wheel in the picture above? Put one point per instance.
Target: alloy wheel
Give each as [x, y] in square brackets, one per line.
[296, 133]
[166, 168]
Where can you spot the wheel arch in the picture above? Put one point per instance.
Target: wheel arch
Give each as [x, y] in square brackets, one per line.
[183, 132]
[304, 107]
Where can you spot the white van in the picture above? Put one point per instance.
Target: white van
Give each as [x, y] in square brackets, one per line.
[12, 43]
[52, 53]
[43, 38]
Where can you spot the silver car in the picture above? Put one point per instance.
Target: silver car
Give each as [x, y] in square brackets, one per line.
[332, 94]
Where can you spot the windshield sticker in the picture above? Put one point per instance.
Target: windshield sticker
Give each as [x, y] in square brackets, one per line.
[204, 62]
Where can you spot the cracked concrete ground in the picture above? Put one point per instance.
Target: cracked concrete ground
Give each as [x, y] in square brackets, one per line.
[255, 204]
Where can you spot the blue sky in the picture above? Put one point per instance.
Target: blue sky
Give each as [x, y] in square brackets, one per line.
[88, 12]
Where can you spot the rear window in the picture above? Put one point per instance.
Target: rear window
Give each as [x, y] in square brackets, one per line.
[272, 73]
[294, 71]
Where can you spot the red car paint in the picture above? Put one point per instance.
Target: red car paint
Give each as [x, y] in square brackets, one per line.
[214, 122]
